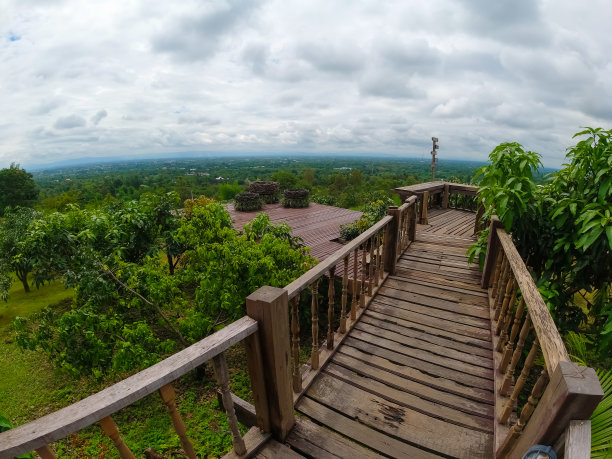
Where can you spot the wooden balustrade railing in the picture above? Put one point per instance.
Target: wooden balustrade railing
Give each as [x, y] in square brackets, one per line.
[362, 264]
[557, 392]
[444, 194]
[99, 407]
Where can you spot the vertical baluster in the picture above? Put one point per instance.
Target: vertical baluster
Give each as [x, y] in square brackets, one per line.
[111, 431]
[520, 382]
[45, 452]
[526, 412]
[510, 344]
[371, 266]
[344, 295]
[500, 312]
[504, 320]
[168, 397]
[330, 308]
[222, 374]
[516, 355]
[496, 274]
[381, 257]
[363, 276]
[295, 345]
[406, 230]
[355, 280]
[502, 285]
[314, 309]
[376, 260]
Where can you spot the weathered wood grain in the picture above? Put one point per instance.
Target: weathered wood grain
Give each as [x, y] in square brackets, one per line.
[68, 420]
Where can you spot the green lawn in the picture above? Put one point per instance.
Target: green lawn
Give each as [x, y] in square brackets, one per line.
[26, 304]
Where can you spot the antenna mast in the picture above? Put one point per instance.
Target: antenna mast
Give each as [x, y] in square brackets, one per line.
[434, 160]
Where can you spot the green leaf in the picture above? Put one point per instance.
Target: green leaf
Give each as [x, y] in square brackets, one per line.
[609, 234]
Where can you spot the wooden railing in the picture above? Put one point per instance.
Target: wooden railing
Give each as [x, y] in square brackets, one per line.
[98, 408]
[561, 391]
[443, 194]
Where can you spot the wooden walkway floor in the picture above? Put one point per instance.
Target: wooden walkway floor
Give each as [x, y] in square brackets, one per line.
[414, 378]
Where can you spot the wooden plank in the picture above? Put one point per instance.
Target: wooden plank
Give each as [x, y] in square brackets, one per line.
[401, 422]
[254, 440]
[439, 279]
[444, 363]
[578, 440]
[446, 284]
[276, 450]
[365, 352]
[478, 303]
[434, 247]
[317, 441]
[361, 433]
[406, 262]
[73, 418]
[551, 343]
[424, 391]
[429, 307]
[413, 330]
[407, 337]
[440, 259]
[403, 265]
[379, 305]
[270, 307]
[409, 400]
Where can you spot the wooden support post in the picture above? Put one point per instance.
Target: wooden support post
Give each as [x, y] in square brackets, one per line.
[330, 308]
[412, 222]
[379, 258]
[372, 241]
[343, 312]
[493, 247]
[577, 440]
[295, 345]
[168, 396]
[424, 205]
[222, 375]
[45, 452]
[572, 394]
[110, 430]
[445, 196]
[354, 303]
[363, 276]
[269, 306]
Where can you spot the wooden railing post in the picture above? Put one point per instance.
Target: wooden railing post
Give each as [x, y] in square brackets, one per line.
[269, 306]
[391, 237]
[492, 250]
[445, 196]
[424, 205]
[572, 394]
[479, 213]
[412, 227]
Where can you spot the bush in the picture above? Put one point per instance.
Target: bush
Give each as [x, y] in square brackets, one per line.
[269, 191]
[296, 198]
[248, 202]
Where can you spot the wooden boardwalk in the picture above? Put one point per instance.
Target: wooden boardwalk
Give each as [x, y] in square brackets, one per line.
[318, 225]
[414, 378]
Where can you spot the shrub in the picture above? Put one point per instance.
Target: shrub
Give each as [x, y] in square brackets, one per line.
[248, 202]
[269, 191]
[296, 198]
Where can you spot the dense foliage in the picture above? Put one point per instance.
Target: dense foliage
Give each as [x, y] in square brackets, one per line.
[374, 211]
[562, 228]
[130, 307]
[17, 188]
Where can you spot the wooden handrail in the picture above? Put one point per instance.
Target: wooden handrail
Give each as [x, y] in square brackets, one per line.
[85, 412]
[551, 342]
[306, 279]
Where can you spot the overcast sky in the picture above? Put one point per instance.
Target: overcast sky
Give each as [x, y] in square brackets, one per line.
[126, 78]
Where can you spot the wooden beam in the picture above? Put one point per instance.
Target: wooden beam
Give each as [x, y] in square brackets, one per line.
[269, 306]
[572, 394]
[81, 414]
[391, 240]
[552, 345]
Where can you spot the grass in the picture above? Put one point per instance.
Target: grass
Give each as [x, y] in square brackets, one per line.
[25, 304]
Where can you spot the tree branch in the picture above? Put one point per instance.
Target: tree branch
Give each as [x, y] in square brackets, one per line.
[150, 303]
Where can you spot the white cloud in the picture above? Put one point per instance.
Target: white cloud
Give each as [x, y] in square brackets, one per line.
[277, 76]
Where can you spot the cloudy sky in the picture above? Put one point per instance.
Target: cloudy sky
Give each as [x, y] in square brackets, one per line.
[128, 78]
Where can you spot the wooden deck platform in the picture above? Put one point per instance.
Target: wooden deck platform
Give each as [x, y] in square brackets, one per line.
[414, 378]
[318, 225]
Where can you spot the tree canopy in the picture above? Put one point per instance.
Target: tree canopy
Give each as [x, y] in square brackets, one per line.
[17, 188]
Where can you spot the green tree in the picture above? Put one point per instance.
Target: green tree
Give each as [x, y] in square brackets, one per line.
[12, 257]
[17, 188]
[286, 179]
